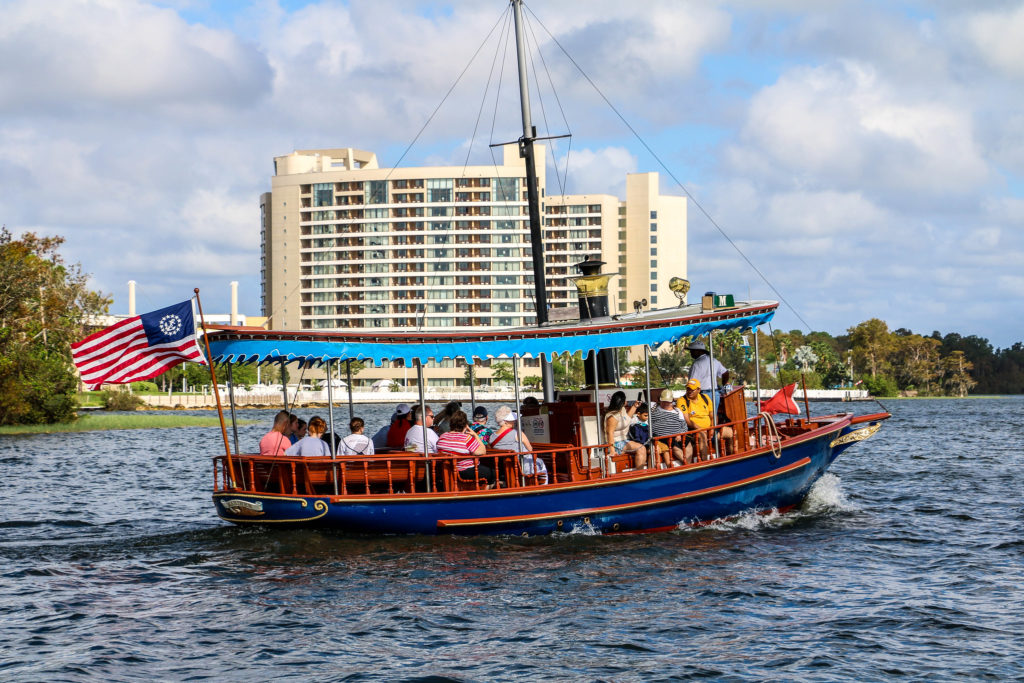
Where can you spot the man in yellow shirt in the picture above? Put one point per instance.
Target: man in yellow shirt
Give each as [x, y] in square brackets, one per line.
[696, 408]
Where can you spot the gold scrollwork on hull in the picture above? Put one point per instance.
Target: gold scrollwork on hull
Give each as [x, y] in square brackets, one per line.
[320, 506]
[857, 435]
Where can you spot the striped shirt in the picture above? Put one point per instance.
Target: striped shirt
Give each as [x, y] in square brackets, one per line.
[459, 443]
[666, 422]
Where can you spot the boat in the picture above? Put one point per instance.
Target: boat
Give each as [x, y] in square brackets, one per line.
[587, 488]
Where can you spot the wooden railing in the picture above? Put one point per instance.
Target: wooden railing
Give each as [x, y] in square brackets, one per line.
[396, 473]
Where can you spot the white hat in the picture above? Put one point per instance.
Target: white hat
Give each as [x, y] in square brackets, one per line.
[402, 409]
[667, 395]
[505, 414]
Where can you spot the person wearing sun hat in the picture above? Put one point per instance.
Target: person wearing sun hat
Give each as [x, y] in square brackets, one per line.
[702, 370]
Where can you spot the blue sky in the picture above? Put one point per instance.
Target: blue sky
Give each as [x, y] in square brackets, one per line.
[868, 157]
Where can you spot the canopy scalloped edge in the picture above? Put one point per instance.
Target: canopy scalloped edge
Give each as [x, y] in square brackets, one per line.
[255, 350]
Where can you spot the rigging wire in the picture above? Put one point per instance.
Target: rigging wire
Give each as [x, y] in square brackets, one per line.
[540, 99]
[483, 100]
[446, 95]
[558, 101]
[661, 163]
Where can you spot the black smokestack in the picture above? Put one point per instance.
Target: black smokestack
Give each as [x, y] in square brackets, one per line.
[592, 295]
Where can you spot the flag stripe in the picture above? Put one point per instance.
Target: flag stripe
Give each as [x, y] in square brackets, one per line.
[122, 353]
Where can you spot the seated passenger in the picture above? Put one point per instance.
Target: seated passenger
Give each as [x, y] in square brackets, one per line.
[462, 440]
[276, 442]
[300, 430]
[400, 423]
[311, 445]
[508, 439]
[696, 408]
[479, 425]
[666, 420]
[616, 429]
[293, 427]
[414, 436]
[356, 443]
[640, 432]
[443, 421]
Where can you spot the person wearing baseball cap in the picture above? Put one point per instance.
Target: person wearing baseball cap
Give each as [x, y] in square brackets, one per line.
[400, 423]
[479, 425]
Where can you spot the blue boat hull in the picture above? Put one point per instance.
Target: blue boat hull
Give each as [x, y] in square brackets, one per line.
[643, 501]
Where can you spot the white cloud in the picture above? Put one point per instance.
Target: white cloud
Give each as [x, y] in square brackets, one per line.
[76, 54]
[842, 125]
[997, 35]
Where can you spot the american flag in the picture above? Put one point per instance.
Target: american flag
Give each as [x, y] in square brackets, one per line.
[139, 347]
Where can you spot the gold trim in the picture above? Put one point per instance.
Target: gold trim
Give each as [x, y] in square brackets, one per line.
[320, 506]
[856, 435]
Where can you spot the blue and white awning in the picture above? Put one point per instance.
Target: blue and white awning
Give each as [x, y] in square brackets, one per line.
[654, 328]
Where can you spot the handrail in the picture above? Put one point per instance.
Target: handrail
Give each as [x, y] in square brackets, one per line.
[400, 472]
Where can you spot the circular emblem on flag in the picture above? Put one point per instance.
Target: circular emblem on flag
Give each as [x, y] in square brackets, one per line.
[170, 325]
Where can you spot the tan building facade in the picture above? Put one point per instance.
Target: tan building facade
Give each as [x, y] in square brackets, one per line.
[346, 244]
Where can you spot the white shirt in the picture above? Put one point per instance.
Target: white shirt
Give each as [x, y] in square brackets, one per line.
[701, 371]
[356, 444]
[414, 439]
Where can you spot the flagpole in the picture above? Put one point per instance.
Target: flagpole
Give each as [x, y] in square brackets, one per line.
[216, 393]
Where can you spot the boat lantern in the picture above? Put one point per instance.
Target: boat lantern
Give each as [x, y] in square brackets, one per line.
[592, 294]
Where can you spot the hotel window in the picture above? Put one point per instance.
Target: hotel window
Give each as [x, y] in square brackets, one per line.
[376, 192]
[323, 194]
[439, 190]
[506, 189]
[654, 215]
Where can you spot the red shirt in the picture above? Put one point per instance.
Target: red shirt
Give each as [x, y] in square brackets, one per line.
[396, 434]
[274, 443]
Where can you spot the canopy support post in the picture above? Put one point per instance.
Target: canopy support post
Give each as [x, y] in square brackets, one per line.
[519, 418]
[597, 417]
[284, 386]
[330, 418]
[472, 388]
[652, 449]
[757, 382]
[423, 420]
[348, 389]
[714, 442]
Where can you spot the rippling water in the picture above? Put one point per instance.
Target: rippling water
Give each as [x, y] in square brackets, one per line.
[907, 560]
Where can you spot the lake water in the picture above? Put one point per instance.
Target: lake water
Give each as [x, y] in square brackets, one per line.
[906, 561]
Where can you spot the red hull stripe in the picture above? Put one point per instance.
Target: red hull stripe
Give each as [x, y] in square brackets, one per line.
[803, 462]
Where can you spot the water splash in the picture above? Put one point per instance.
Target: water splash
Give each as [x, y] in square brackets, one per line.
[826, 497]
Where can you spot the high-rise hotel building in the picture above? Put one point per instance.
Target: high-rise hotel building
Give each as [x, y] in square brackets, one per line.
[349, 245]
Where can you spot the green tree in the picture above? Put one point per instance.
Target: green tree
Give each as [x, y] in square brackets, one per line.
[956, 374]
[872, 344]
[45, 306]
[501, 373]
[532, 382]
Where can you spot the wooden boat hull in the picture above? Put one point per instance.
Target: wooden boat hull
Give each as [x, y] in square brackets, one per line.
[641, 501]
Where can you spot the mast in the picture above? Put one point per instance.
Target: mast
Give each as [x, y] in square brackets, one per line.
[536, 235]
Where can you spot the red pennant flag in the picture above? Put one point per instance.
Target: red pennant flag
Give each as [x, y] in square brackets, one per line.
[782, 401]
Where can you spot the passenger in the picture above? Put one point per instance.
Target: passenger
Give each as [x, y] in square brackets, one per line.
[508, 438]
[394, 433]
[479, 425]
[311, 445]
[293, 426]
[414, 436]
[276, 442]
[640, 429]
[300, 429]
[702, 370]
[442, 423]
[531, 402]
[356, 443]
[462, 440]
[616, 428]
[667, 420]
[696, 408]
